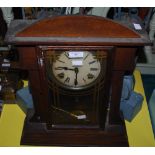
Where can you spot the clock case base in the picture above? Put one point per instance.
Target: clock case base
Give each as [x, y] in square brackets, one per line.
[36, 133]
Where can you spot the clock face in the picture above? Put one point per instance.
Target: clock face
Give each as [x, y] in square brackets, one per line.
[76, 69]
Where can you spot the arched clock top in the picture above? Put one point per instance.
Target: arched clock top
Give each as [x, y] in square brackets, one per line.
[75, 29]
[77, 26]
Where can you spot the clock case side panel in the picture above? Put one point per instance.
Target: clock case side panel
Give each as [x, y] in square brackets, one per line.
[105, 97]
[124, 64]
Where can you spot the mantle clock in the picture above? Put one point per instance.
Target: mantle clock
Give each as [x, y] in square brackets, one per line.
[76, 66]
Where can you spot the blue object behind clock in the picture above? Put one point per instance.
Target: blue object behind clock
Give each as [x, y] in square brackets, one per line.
[131, 102]
[24, 97]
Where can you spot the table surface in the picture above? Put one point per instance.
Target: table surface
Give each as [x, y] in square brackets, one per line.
[139, 131]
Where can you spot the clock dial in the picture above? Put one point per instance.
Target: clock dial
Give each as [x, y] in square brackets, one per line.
[76, 69]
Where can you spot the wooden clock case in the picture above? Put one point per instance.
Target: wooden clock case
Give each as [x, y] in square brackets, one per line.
[75, 33]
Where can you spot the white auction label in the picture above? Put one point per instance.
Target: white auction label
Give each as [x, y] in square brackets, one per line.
[6, 65]
[76, 54]
[6, 60]
[81, 117]
[137, 26]
[77, 62]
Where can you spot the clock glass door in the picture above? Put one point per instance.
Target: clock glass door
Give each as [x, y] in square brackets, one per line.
[76, 80]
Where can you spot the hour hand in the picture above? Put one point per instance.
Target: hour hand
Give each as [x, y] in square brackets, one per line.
[64, 68]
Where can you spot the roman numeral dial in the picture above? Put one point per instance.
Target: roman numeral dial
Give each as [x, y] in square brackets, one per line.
[76, 69]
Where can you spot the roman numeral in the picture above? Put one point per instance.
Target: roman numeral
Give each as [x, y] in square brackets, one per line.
[67, 80]
[90, 76]
[86, 56]
[67, 55]
[58, 68]
[92, 62]
[60, 61]
[93, 69]
[61, 75]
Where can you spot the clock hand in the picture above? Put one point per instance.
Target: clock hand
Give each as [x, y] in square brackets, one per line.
[86, 56]
[76, 72]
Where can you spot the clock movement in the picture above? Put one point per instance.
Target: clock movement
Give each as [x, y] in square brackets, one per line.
[76, 66]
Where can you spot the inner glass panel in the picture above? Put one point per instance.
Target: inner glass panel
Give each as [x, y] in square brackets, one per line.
[76, 82]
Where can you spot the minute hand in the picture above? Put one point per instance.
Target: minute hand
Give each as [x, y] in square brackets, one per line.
[76, 72]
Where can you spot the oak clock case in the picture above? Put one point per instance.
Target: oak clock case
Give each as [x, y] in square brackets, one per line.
[67, 110]
[76, 80]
